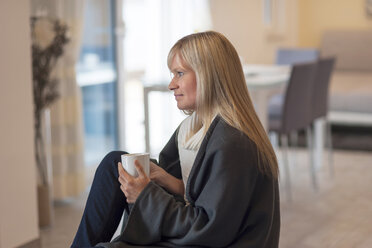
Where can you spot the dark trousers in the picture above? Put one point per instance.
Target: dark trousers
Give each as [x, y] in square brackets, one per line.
[105, 205]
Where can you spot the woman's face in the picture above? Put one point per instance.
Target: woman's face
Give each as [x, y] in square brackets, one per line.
[183, 84]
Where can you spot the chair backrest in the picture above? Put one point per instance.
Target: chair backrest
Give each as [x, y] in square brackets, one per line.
[290, 56]
[321, 86]
[297, 109]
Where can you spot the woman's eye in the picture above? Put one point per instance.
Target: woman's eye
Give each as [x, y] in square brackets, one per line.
[177, 74]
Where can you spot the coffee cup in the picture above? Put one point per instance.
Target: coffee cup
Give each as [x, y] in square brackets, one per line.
[127, 161]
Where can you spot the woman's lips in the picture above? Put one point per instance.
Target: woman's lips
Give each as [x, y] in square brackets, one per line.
[177, 96]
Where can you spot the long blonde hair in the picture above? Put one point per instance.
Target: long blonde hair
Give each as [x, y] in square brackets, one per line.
[222, 90]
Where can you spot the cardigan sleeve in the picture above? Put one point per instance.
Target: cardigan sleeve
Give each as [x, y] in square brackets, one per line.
[169, 157]
[224, 205]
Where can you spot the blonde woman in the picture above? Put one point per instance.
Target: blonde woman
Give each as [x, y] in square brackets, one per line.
[216, 183]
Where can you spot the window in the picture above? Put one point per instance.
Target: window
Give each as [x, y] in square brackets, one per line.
[274, 15]
[97, 77]
[151, 28]
[268, 12]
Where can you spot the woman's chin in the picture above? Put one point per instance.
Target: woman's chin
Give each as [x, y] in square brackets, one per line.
[180, 106]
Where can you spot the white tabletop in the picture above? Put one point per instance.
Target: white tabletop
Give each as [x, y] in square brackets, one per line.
[264, 69]
[265, 76]
[263, 81]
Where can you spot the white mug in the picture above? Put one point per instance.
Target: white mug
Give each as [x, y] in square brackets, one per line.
[127, 161]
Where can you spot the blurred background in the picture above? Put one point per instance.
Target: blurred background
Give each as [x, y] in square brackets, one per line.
[111, 80]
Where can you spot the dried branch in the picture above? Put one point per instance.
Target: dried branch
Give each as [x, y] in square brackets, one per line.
[44, 58]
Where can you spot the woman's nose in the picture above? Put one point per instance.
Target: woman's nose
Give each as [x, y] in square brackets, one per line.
[172, 85]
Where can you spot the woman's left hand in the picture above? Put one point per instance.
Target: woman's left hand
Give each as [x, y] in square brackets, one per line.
[132, 186]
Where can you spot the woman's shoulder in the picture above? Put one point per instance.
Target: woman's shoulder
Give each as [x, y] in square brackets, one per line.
[225, 134]
[228, 148]
[227, 140]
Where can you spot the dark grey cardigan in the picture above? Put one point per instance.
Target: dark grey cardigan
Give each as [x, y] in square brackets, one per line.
[231, 203]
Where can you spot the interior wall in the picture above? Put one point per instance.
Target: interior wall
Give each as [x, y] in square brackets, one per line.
[18, 207]
[316, 16]
[242, 23]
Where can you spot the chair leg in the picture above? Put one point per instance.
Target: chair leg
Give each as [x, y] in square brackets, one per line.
[330, 147]
[293, 136]
[284, 140]
[273, 136]
[311, 158]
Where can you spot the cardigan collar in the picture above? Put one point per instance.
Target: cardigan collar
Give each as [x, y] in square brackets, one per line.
[199, 157]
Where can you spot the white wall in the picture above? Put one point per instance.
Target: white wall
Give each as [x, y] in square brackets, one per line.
[242, 23]
[18, 209]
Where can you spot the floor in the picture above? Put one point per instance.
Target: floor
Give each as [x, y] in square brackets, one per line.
[338, 215]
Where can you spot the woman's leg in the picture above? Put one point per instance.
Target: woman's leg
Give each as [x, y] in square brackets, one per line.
[105, 204]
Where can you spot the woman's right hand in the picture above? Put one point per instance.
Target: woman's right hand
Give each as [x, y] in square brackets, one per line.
[166, 180]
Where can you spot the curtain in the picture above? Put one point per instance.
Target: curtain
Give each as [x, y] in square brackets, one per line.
[66, 113]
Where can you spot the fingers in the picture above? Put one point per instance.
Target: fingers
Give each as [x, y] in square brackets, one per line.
[127, 194]
[139, 169]
[153, 166]
[120, 168]
[123, 173]
[132, 186]
[123, 180]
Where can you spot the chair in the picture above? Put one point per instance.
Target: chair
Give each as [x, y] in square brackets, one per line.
[320, 99]
[294, 113]
[290, 56]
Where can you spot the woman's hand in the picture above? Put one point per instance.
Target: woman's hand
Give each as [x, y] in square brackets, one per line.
[158, 174]
[166, 180]
[132, 186]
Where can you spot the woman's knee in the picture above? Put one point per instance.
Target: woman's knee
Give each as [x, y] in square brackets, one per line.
[110, 161]
[114, 155]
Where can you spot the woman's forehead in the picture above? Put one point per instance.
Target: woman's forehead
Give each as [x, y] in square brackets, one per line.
[178, 62]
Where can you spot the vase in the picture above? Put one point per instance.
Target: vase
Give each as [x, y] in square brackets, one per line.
[44, 167]
[45, 206]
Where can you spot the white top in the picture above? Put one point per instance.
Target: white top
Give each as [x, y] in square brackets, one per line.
[188, 147]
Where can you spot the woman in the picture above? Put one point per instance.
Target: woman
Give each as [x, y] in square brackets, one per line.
[216, 184]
